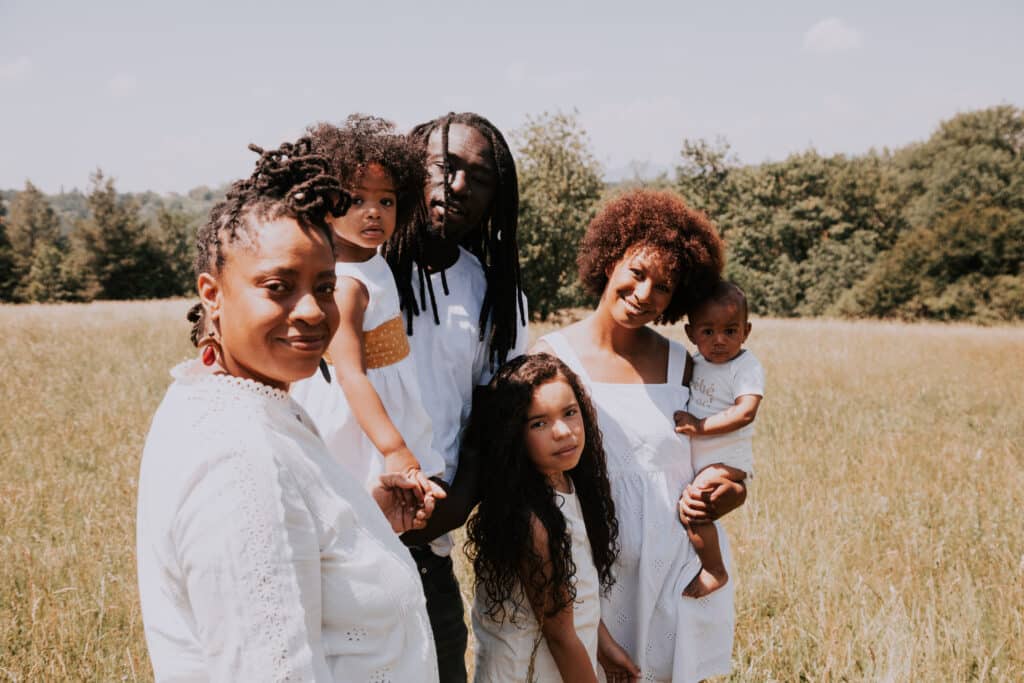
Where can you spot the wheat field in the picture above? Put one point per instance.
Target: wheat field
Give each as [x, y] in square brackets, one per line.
[883, 539]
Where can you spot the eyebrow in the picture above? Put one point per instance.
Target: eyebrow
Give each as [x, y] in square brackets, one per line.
[573, 404]
[290, 272]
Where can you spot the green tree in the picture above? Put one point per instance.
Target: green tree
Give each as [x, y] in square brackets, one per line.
[175, 236]
[121, 259]
[559, 186]
[705, 175]
[8, 281]
[32, 225]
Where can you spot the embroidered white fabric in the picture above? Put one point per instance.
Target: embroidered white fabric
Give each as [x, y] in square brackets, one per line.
[259, 557]
[671, 638]
[503, 647]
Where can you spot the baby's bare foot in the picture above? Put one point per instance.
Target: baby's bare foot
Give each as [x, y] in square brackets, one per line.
[705, 582]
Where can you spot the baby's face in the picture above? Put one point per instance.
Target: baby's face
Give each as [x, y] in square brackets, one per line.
[718, 330]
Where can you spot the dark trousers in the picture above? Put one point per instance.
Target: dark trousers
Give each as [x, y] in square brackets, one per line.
[444, 606]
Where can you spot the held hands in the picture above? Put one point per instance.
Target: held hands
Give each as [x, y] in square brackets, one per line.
[401, 500]
[412, 493]
[721, 495]
[687, 423]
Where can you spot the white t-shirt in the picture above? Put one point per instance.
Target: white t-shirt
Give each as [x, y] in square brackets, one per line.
[451, 359]
[714, 388]
[260, 557]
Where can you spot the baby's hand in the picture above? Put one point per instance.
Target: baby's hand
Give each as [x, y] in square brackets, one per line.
[686, 423]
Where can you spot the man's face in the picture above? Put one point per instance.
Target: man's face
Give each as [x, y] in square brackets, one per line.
[472, 181]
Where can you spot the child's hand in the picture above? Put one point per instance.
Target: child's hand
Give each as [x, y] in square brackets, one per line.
[614, 660]
[686, 423]
[399, 498]
[402, 461]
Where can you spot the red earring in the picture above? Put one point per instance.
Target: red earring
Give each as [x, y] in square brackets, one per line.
[210, 346]
[209, 355]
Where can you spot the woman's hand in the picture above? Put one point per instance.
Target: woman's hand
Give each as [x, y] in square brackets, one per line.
[613, 659]
[720, 497]
[402, 501]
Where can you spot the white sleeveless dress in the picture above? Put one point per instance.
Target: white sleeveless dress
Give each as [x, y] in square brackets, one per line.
[671, 638]
[396, 384]
[503, 649]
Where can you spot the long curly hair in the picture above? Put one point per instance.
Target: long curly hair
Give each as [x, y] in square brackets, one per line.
[494, 243]
[362, 141]
[663, 222]
[290, 181]
[499, 538]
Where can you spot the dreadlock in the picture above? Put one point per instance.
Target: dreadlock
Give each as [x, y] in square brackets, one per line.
[493, 243]
[289, 181]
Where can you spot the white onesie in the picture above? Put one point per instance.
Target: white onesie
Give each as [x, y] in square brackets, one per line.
[714, 388]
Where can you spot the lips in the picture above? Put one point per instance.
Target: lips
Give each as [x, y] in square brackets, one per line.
[569, 450]
[634, 308]
[307, 342]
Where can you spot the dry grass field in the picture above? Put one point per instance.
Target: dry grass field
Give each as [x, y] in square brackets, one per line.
[883, 539]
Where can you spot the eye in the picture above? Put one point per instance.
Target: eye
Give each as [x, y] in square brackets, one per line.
[537, 424]
[326, 288]
[730, 331]
[663, 288]
[387, 201]
[707, 332]
[276, 286]
[572, 412]
[357, 200]
[637, 273]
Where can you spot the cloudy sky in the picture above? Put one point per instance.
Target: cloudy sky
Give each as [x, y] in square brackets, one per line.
[165, 96]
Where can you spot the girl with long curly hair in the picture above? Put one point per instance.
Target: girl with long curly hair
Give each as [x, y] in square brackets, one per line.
[545, 537]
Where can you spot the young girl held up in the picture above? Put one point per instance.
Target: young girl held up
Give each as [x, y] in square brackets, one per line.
[258, 556]
[545, 536]
[375, 422]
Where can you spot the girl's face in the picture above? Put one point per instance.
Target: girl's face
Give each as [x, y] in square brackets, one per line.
[370, 220]
[640, 287]
[554, 430]
[273, 302]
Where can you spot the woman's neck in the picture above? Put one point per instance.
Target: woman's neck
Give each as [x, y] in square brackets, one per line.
[560, 482]
[609, 335]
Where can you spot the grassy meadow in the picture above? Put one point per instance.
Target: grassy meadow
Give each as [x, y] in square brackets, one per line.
[883, 539]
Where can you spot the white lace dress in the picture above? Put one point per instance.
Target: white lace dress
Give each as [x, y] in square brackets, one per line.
[259, 557]
[396, 384]
[671, 638]
[503, 648]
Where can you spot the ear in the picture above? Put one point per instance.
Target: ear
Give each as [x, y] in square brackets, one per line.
[689, 333]
[747, 333]
[210, 294]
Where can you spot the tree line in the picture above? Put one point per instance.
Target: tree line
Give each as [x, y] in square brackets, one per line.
[933, 230]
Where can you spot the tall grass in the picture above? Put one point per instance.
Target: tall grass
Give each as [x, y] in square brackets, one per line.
[883, 539]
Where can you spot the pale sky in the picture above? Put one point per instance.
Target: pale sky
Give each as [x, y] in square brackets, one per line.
[166, 96]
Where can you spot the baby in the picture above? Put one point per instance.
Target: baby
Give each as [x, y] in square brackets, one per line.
[725, 392]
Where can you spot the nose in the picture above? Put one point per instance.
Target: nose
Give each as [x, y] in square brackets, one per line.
[458, 183]
[372, 209]
[642, 290]
[560, 429]
[308, 310]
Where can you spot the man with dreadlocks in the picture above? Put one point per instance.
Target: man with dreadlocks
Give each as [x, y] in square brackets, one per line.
[457, 270]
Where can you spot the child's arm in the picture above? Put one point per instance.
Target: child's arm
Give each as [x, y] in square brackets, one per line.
[559, 632]
[737, 416]
[346, 351]
[614, 660]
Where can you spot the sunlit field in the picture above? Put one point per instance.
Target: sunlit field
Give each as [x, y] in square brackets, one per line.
[883, 539]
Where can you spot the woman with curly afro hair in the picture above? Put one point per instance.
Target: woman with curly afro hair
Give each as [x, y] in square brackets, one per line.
[650, 258]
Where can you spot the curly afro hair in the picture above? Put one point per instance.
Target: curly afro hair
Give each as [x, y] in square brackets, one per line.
[365, 140]
[662, 222]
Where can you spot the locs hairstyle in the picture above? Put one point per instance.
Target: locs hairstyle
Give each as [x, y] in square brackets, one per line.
[366, 140]
[494, 243]
[660, 221]
[290, 181]
[512, 491]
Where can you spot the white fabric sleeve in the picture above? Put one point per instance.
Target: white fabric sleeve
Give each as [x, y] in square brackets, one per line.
[249, 552]
[749, 377]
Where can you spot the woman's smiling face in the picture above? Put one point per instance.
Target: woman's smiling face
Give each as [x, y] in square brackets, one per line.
[273, 301]
[640, 287]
